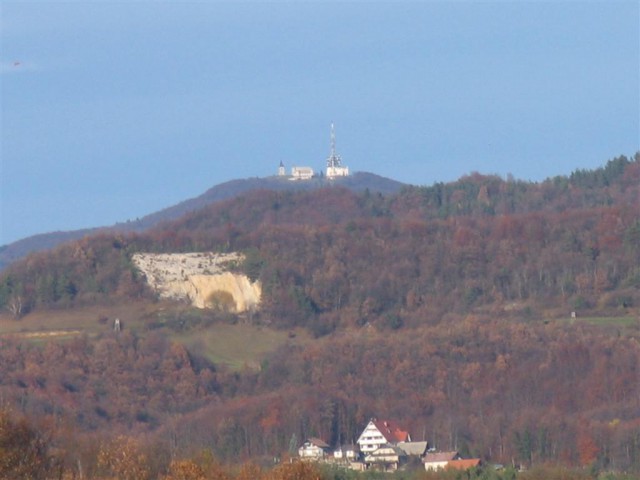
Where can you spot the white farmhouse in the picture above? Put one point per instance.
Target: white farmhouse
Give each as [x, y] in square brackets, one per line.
[378, 433]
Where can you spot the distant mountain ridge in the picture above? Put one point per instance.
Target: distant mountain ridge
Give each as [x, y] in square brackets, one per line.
[358, 182]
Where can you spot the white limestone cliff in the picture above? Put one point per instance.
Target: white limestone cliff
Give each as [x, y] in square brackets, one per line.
[203, 279]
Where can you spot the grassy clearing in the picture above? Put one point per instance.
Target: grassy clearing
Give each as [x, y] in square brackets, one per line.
[91, 320]
[626, 322]
[238, 346]
[612, 321]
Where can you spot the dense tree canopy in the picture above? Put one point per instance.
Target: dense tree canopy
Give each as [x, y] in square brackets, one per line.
[445, 308]
[331, 257]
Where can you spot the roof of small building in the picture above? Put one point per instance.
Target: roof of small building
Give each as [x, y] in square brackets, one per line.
[385, 450]
[391, 431]
[413, 448]
[317, 442]
[440, 457]
[463, 464]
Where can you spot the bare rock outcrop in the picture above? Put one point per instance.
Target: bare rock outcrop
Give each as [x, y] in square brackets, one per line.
[203, 279]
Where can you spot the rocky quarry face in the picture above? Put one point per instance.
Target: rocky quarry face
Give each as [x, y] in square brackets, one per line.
[203, 279]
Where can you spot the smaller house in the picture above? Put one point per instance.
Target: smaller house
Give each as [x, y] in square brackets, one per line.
[347, 453]
[439, 460]
[313, 449]
[387, 458]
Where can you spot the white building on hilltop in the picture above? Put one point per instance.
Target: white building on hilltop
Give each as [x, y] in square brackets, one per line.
[334, 162]
[301, 173]
[297, 173]
[335, 168]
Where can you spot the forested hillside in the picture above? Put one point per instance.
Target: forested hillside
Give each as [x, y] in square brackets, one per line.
[447, 308]
[503, 391]
[331, 257]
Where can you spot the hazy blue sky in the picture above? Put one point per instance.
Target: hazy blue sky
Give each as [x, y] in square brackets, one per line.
[112, 110]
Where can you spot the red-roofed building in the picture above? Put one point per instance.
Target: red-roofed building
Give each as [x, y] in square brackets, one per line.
[381, 432]
[463, 464]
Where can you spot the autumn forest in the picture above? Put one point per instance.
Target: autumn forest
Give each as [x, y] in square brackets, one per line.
[496, 317]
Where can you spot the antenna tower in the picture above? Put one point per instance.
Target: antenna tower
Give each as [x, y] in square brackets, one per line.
[334, 159]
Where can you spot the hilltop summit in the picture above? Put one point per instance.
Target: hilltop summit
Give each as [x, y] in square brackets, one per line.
[358, 182]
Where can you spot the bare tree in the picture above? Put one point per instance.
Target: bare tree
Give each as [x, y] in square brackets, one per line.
[15, 306]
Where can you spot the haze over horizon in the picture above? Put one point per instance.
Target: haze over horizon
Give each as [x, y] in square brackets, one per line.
[111, 111]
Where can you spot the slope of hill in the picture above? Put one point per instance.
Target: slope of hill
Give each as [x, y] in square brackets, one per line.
[36, 243]
[447, 308]
[359, 181]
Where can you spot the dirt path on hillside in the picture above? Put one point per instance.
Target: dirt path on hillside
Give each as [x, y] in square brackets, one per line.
[42, 334]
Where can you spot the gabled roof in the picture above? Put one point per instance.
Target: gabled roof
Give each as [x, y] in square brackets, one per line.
[413, 448]
[463, 464]
[385, 450]
[440, 457]
[391, 431]
[317, 442]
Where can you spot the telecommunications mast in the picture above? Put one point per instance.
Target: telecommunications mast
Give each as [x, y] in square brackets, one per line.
[334, 162]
